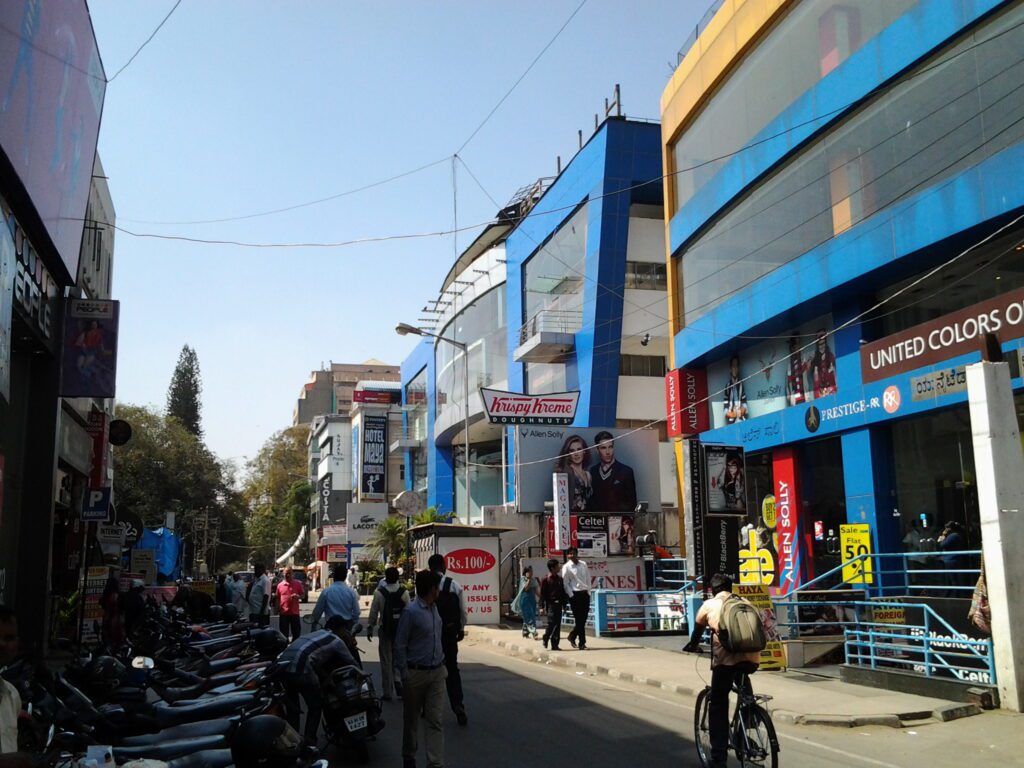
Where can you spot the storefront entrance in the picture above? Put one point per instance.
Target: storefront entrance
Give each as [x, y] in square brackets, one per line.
[823, 504]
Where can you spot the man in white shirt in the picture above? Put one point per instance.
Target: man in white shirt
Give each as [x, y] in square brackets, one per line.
[236, 594]
[576, 577]
[259, 596]
[353, 577]
[10, 701]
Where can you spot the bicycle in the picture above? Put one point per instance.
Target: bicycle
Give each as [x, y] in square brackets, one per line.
[751, 732]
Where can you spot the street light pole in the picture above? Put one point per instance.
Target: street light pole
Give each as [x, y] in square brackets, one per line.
[404, 329]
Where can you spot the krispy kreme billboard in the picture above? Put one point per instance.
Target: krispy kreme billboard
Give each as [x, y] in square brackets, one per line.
[516, 408]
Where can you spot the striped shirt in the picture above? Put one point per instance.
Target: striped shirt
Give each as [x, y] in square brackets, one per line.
[314, 652]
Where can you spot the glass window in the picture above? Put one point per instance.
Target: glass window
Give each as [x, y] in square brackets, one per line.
[416, 414]
[951, 113]
[481, 327]
[646, 276]
[642, 365]
[553, 279]
[805, 46]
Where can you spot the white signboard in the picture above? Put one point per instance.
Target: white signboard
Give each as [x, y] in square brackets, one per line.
[473, 562]
[363, 520]
[144, 562]
[605, 573]
[517, 408]
[560, 493]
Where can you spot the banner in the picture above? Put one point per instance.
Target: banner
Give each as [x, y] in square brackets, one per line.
[89, 362]
[552, 543]
[92, 613]
[592, 535]
[686, 404]
[473, 562]
[337, 553]
[363, 519]
[622, 535]
[97, 428]
[726, 473]
[374, 458]
[560, 491]
[787, 517]
[517, 408]
[143, 561]
[854, 541]
[609, 470]
[773, 657]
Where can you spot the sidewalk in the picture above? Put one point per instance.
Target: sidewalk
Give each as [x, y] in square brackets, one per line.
[797, 697]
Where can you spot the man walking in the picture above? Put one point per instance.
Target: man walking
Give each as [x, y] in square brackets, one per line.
[339, 599]
[289, 593]
[236, 594]
[389, 602]
[576, 577]
[552, 598]
[353, 577]
[258, 597]
[452, 607]
[304, 664]
[420, 660]
[725, 666]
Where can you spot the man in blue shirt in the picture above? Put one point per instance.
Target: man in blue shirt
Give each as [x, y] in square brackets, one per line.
[420, 660]
[339, 599]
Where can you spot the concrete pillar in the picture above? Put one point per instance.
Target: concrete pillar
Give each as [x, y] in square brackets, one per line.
[999, 465]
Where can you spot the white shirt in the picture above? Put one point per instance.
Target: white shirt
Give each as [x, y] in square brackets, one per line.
[352, 579]
[10, 706]
[236, 591]
[576, 577]
[260, 587]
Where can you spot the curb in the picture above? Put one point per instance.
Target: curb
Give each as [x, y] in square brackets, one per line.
[942, 714]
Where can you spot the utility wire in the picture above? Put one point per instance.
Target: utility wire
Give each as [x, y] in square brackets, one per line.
[145, 43]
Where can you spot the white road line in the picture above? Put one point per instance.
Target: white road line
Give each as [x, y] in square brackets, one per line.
[603, 681]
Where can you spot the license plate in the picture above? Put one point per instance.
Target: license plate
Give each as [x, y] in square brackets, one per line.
[355, 722]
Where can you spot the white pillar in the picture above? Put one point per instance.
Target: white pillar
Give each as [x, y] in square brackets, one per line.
[999, 465]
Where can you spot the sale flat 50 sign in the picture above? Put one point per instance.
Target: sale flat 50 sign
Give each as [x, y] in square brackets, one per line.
[855, 541]
[473, 562]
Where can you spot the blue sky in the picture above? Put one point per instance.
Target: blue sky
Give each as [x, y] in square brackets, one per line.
[240, 107]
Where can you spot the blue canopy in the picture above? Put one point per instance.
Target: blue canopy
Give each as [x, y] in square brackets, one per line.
[167, 545]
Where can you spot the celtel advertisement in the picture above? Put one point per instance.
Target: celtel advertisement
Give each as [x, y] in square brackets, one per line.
[374, 458]
[609, 470]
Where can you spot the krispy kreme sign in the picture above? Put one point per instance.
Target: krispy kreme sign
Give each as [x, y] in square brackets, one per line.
[943, 338]
[515, 408]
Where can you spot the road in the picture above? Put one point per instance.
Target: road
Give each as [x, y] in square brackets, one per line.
[523, 713]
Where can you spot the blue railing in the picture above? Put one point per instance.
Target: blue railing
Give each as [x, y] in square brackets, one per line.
[670, 573]
[915, 573]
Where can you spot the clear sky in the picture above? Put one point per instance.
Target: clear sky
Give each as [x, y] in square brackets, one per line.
[238, 107]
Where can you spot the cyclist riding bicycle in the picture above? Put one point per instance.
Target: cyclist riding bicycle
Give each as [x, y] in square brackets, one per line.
[726, 667]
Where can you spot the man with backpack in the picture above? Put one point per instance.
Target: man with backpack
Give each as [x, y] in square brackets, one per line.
[737, 639]
[389, 600]
[452, 607]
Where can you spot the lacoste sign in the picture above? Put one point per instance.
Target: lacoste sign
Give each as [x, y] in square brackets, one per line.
[516, 408]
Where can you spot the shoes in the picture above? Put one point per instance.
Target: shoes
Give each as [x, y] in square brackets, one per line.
[583, 648]
[572, 641]
[398, 689]
[545, 642]
[461, 717]
[555, 648]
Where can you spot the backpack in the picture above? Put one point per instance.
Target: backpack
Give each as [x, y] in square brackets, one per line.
[391, 611]
[448, 608]
[739, 627]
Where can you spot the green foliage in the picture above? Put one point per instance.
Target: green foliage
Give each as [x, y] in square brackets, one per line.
[431, 515]
[183, 396]
[389, 539]
[277, 494]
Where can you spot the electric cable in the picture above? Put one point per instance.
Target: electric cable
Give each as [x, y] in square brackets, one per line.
[147, 41]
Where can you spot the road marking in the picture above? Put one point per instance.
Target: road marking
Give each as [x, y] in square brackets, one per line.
[603, 681]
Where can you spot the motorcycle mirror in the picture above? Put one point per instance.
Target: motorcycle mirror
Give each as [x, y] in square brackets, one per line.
[143, 662]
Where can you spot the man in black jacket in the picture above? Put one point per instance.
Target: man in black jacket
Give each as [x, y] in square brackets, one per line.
[552, 599]
[613, 482]
[452, 607]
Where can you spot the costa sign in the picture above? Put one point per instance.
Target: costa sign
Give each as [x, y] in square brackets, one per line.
[686, 402]
[470, 561]
[515, 408]
[946, 337]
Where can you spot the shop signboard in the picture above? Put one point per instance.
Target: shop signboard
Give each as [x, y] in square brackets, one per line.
[610, 470]
[726, 487]
[757, 562]
[592, 535]
[111, 541]
[96, 427]
[92, 613]
[96, 504]
[773, 657]
[516, 408]
[787, 519]
[721, 545]
[560, 494]
[337, 553]
[625, 574]
[945, 381]
[693, 501]
[686, 402]
[334, 532]
[551, 541]
[143, 561]
[363, 519]
[473, 562]
[374, 397]
[8, 261]
[89, 360]
[854, 542]
[374, 458]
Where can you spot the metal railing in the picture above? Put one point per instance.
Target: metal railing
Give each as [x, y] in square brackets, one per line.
[649, 610]
[870, 571]
[551, 321]
[670, 573]
[700, 27]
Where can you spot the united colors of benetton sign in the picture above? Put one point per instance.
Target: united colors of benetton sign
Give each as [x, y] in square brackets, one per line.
[515, 408]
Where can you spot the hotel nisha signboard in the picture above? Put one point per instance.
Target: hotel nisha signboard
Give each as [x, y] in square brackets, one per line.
[515, 408]
[949, 336]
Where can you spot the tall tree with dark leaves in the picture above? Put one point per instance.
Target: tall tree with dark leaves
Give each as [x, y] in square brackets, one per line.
[186, 388]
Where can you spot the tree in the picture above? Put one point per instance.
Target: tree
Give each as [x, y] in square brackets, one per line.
[431, 515]
[389, 538]
[277, 493]
[183, 396]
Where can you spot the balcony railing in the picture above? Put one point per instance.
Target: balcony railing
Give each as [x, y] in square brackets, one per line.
[701, 26]
[551, 321]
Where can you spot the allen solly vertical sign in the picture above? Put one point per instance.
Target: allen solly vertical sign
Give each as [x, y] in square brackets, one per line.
[686, 402]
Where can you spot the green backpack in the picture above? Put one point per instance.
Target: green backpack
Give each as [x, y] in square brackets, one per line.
[739, 628]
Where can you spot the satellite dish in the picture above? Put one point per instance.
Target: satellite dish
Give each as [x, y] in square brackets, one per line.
[409, 503]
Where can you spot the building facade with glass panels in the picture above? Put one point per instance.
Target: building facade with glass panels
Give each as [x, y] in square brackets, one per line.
[841, 204]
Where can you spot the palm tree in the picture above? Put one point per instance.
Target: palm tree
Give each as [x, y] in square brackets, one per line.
[431, 515]
[389, 538]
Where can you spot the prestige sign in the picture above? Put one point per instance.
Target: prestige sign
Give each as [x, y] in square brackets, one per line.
[515, 408]
[947, 337]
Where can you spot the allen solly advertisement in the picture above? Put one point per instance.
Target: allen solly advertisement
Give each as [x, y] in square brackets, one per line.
[609, 470]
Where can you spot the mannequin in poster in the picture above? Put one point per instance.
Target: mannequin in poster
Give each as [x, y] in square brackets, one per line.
[823, 367]
[574, 460]
[730, 482]
[613, 483]
[795, 392]
[735, 394]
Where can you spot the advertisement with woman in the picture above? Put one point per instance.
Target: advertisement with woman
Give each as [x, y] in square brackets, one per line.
[727, 490]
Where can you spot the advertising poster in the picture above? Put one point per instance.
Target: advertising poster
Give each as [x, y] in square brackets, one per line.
[92, 614]
[693, 503]
[726, 476]
[337, 553]
[363, 520]
[609, 470]
[7, 268]
[560, 494]
[143, 561]
[618, 573]
[855, 541]
[787, 519]
[89, 362]
[826, 617]
[111, 541]
[774, 374]
[592, 535]
[374, 458]
[473, 562]
[773, 657]
[552, 543]
[622, 535]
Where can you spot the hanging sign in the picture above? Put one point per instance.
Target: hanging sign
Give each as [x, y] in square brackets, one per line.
[515, 408]
[560, 483]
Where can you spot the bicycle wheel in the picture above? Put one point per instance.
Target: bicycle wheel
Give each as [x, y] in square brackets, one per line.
[758, 745]
[701, 727]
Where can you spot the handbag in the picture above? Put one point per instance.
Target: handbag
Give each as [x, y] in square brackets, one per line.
[980, 614]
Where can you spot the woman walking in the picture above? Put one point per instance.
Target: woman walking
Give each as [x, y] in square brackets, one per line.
[527, 599]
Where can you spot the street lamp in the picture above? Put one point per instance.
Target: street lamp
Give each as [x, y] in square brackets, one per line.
[404, 329]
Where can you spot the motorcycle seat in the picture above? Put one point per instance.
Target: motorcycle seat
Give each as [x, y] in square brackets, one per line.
[168, 750]
[222, 726]
[207, 758]
[168, 715]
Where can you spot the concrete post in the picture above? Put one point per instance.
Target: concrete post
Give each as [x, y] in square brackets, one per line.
[999, 465]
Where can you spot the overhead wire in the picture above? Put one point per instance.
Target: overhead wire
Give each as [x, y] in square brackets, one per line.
[146, 42]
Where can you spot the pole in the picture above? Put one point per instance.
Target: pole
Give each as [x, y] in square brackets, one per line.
[465, 410]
